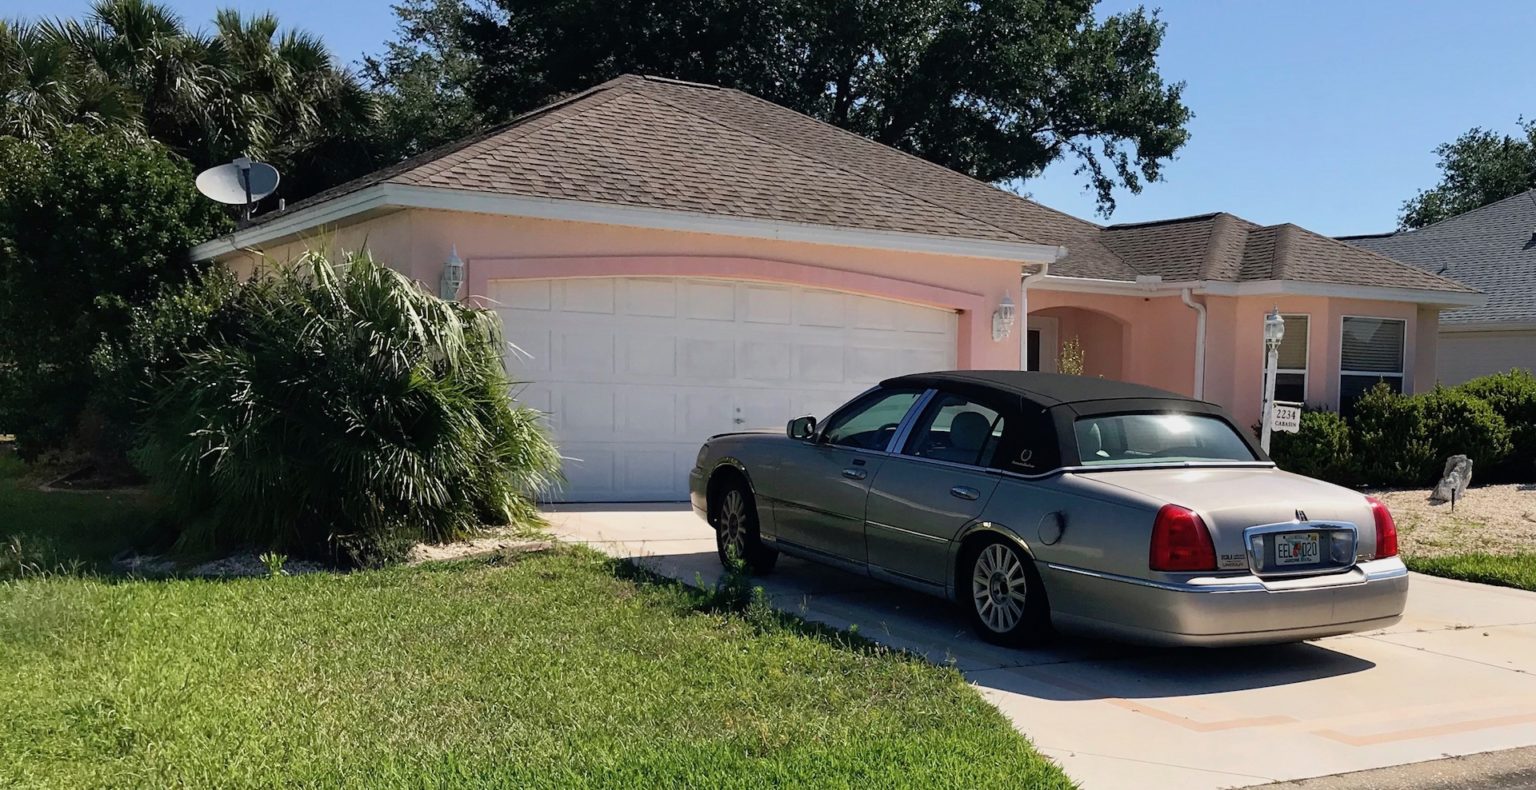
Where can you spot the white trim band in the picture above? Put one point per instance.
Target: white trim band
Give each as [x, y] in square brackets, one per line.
[398, 196]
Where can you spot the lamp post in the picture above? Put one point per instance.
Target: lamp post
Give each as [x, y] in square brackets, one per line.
[1274, 332]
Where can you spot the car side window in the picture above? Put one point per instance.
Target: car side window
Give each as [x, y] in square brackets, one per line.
[870, 422]
[958, 430]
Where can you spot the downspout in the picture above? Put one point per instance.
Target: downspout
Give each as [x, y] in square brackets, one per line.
[1024, 281]
[1199, 309]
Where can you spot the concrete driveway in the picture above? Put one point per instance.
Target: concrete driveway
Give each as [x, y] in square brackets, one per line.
[1457, 676]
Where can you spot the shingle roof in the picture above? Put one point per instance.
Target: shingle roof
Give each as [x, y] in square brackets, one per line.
[1225, 248]
[649, 142]
[1492, 249]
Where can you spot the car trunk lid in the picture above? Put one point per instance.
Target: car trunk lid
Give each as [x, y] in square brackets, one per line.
[1261, 519]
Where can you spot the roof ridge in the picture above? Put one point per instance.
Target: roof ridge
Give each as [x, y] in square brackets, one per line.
[924, 162]
[1224, 228]
[1285, 237]
[862, 176]
[1171, 221]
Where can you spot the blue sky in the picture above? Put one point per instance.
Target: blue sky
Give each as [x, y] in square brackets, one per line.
[1318, 112]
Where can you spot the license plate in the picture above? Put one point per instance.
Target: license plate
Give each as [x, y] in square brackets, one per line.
[1296, 548]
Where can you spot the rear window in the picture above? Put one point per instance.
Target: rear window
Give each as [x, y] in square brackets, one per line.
[1157, 438]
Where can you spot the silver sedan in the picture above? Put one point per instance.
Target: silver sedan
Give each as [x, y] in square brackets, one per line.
[1038, 501]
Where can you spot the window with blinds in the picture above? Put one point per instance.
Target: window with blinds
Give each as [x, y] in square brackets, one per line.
[1291, 373]
[1371, 353]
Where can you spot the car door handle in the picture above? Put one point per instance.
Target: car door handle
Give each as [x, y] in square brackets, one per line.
[855, 474]
[964, 492]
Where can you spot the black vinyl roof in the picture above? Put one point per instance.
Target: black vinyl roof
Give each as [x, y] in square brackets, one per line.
[1046, 389]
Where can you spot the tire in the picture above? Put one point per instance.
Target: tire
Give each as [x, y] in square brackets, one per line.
[1002, 595]
[736, 530]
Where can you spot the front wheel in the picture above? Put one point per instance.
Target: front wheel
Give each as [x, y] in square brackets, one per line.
[736, 533]
[1004, 597]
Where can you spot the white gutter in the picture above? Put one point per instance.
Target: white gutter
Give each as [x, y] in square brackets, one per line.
[1186, 296]
[1024, 281]
[1443, 299]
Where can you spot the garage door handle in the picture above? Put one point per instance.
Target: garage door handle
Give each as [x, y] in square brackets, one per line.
[964, 492]
[855, 474]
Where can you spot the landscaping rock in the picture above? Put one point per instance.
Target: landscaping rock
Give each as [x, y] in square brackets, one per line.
[1454, 480]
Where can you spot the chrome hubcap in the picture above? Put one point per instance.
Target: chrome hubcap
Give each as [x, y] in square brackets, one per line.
[733, 525]
[998, 587]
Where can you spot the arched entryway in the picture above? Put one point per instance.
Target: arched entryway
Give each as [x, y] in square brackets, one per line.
[1099, 336]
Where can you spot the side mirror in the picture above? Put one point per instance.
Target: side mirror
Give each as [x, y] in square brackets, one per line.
[801, 428]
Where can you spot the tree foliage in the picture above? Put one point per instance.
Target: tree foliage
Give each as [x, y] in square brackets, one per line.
[245, 88]
[338, 410]
[90, 226]
[1477, 168]
[997, 90]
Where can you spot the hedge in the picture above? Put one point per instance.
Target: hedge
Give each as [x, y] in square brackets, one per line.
[1396, 440]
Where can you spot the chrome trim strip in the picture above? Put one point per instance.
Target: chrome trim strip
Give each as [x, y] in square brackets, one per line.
[922, 535]
[1169, 586]
[1256, 563]
[1225, 587]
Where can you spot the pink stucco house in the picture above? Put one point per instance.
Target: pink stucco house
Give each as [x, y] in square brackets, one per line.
[673, 260]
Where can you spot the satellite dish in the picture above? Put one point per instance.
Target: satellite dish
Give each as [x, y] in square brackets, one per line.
[239, 183]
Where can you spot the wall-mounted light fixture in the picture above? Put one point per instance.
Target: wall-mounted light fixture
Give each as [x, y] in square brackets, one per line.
[1002, 319]
[453, 276]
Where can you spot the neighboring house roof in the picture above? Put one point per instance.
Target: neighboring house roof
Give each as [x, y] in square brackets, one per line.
[1492, 249]
[1221, 247]
[700, 151]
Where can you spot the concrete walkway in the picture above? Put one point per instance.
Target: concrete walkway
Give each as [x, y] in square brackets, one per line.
[1457, 676]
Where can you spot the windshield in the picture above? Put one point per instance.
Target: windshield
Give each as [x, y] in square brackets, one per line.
[1158, 439]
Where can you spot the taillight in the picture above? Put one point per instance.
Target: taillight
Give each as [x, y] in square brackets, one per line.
[1386, 528]
[1180, 542]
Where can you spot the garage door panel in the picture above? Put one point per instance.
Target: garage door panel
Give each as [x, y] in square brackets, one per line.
[767, 305]
[648, 356]
[711, 301]
[635, 373]
[587, 354]
[708, 360]
[587, 296]
[766, 360]
[654, 298]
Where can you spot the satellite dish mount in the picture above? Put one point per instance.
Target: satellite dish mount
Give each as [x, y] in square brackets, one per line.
[242, 182]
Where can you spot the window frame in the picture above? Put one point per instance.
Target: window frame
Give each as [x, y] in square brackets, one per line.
[934, 403]
[1305, 371]
[923, 394]
[1401, 375]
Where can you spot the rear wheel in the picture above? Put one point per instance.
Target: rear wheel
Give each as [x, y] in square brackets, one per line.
[1003, 596]
[736, 531]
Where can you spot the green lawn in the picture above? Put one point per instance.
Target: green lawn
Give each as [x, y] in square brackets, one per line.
[559, 669]
[1508, 570]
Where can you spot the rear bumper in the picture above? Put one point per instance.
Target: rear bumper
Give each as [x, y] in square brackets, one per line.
[1221, 611]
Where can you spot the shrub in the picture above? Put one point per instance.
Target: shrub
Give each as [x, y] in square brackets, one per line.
[1390, 446]
[1321, 449]
[1513, 396]
[343, 412]
[1404, 441]
[90, 226]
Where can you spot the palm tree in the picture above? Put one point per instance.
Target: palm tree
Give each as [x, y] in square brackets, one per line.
[248, 88]
[45, 86]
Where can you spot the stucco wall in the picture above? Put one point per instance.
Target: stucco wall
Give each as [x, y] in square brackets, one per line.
[418, 241]
[1160, 341]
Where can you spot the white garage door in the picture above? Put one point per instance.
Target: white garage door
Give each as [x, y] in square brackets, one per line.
[635, 373]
